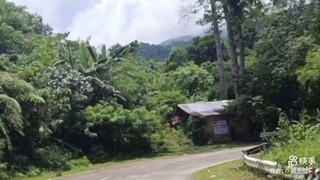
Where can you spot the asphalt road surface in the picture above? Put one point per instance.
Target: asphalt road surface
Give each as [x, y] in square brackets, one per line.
[177, 168]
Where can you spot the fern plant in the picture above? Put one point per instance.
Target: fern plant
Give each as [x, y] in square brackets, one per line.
[13, 92]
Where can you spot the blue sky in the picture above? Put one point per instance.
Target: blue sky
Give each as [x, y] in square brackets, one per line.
[114, 21]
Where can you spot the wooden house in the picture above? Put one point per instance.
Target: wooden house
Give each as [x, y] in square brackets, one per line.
[218, 126]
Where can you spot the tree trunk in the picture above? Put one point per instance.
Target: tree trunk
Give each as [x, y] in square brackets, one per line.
[242, 49]
[317, 7]
[233, 49]
[222, 73]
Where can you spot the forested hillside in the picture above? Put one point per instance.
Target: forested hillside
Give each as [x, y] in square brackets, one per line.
[160, 52]
[153, 52]
[66, 103]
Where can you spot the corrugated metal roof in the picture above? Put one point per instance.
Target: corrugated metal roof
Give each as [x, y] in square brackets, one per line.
[205, 108]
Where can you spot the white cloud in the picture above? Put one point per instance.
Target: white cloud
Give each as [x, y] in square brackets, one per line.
[113, 21]
[58, 13]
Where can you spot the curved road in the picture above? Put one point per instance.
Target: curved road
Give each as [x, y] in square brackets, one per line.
[177, 168]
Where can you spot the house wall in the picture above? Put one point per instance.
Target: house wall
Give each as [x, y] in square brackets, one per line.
[209, 128]
[241, 130]
[237, 131]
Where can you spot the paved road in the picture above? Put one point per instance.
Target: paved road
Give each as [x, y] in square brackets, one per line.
[178, 168]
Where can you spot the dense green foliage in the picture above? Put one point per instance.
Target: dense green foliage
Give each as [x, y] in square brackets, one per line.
[293, 140]
[153, 52]
[160, 52]
[156, 52]
[66, 103]
[279, 79]
[203, 50]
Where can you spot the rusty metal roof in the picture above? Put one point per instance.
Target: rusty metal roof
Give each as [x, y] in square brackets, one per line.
[205, 108]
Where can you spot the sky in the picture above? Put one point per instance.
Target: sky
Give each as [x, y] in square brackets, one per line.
[114, 21]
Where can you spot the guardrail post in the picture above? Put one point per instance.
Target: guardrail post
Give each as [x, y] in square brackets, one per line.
[264, 147]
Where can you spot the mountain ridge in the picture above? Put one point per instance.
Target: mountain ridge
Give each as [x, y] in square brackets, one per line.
[186, 38]
[161, 51]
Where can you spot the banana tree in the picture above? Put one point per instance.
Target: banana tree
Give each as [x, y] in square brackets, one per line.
[95, 67]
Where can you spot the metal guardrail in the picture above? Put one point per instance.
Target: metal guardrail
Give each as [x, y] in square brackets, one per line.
[271, 167]
[256, 149]
[267, 135]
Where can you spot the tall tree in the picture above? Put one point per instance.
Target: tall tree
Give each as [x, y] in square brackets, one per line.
[222, 73]
[232, 44]
[236, 8]
[242, 49]
[210, 16]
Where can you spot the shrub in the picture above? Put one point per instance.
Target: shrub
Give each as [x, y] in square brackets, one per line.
[99, 155]
[33, 171]
[169, 140]
[121, 130]
[54, 158]
[306, 148]
[3, 169]
[299, 139]
[194, 129]
[82, 162]
[19, 163]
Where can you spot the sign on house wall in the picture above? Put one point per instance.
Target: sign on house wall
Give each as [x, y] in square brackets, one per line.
[220, 127]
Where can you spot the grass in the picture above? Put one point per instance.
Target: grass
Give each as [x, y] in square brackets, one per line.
[229, 170]
[122, 162]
